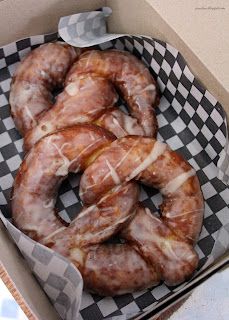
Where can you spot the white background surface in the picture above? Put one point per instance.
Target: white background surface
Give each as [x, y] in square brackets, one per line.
[210, 301]
[9, 309]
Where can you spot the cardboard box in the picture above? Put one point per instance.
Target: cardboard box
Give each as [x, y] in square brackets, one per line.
[196, 33]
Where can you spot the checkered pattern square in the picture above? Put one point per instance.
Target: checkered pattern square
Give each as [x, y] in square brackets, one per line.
[190, 120]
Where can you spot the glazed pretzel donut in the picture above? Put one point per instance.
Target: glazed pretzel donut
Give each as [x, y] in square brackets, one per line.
[112, 206]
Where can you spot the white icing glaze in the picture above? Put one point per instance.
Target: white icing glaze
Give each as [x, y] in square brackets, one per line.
[81, 119]
[81, 193]
[176, 183]
[64, 168]
[167, 246]
[53, 234]
[85, 212]
[32, 219]
[141, 102]
[126, 154]
[139, 90]
[48, 125]
[150, 87]
[89, 58]
[77, 255]
[72, 89]
[116, 123]
[22, 93]
[156, 151]
[44, 74]
[94, 111]
[131, 125]
[168, 249]
[28, 112]
[173, 214]
[91, 136]
[113, 170]
[113, 190]
[90, 235]
[113, 173]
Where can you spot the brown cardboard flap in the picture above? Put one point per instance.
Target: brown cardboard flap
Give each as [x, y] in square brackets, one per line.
[203, 25]
[24, 18]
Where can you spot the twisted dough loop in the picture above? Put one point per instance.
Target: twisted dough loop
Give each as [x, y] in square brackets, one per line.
[88, 94]
[155, 248]
[92, 95]
[130, 76]
[42, 70]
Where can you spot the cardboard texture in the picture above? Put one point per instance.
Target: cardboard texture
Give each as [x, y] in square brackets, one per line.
[197, 34]
[31, 17]
[148, 17]
[183, 107]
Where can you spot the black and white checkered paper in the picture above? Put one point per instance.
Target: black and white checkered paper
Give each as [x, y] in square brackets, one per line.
[86, 29]
[191, 121]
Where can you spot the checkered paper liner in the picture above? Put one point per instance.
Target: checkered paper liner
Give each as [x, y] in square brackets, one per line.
[191, 121]
[59, 278]
[86, 29]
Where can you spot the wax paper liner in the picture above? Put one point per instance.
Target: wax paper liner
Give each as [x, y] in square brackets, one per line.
[191, 121]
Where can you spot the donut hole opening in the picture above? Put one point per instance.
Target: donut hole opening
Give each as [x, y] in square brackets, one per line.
[55, 94]
[151, 198]
[68, 203]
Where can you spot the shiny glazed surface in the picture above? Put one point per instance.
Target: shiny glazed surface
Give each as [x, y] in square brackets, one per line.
[159, 248]
[153, 248]
[42, 70]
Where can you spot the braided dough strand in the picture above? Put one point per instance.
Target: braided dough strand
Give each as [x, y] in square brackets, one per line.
[42, 70]
[130, 76]
[89, 94]
[82, 101]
